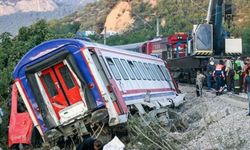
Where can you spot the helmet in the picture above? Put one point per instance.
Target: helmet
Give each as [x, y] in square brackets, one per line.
[211, 59]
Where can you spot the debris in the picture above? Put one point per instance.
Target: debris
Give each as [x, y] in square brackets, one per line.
[114, 144]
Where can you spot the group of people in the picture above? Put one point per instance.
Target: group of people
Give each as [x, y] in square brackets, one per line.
[232, 75]
[228, 74]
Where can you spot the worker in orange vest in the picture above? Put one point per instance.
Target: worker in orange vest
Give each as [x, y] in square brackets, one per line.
[219, 75]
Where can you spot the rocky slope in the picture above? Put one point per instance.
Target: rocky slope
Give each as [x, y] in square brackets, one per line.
[11, 7]
[17, 13]
[120, 18]
[215, 122]
[201, 123]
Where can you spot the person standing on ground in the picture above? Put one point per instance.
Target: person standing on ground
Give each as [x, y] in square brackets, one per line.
[237, 75]
[229, 74]
[199, 83]
[247, 88]
[247, 64]
[219, 76]
[230, 79]
[240, 65]
[210, 70]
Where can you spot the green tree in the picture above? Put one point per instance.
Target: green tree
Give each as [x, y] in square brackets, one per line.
[5, 39]
[24, 34]
[39, 31]
[245, 40]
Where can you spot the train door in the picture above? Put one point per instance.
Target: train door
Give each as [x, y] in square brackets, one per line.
[20, 125]
[111, 85]
[60, 86]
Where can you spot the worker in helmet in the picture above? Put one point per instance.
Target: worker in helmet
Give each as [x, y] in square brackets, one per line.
[237, 75]
[209, 72]
[219, 75]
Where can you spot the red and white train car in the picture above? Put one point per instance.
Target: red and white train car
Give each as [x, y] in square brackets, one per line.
[66, 85]
[140, 78]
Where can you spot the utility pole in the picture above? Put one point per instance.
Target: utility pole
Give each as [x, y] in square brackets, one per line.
[104, 36]
[157, 27]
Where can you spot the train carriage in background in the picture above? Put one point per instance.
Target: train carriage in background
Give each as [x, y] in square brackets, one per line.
[154, 47]
[67, 85]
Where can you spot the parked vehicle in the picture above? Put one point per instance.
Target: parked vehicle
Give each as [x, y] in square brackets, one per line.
[67, 86]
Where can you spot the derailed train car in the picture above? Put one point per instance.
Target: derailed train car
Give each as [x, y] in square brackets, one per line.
[67, 85]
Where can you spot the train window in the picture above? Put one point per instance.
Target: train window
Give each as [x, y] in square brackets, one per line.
[105, 68]
[157, 67]
[140, 70]
[125, 64]
[134, 69]
[165, 72]
[113, 68]
[149, 70]
[67, 77]
[121, 69]
[51, 88]
[20, 104]
[155, 72]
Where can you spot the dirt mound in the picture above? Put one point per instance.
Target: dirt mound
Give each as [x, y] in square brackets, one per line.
[119, 19]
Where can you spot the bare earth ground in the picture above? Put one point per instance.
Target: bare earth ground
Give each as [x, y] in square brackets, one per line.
[215, 122]
[205, 123]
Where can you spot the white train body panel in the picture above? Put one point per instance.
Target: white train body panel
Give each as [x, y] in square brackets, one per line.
[142, 87]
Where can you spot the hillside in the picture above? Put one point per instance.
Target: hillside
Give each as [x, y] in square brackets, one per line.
[11, 7]
[17, 13]
[119, 19]
[116, 15]
[175, 16]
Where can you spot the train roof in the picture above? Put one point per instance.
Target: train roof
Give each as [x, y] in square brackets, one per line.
[130, 46]
[48, 48]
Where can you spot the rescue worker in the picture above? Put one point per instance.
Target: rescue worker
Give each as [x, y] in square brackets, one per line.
[219, 76]
[240, 62]
[228, 63]
[210, 70]
[229, 74]
[237, 75]
[247, 64]
[230, 79]
[90, 143]
[199, 83]
[247, 88]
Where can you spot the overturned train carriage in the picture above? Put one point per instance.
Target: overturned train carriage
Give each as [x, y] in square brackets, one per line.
[67, 85]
